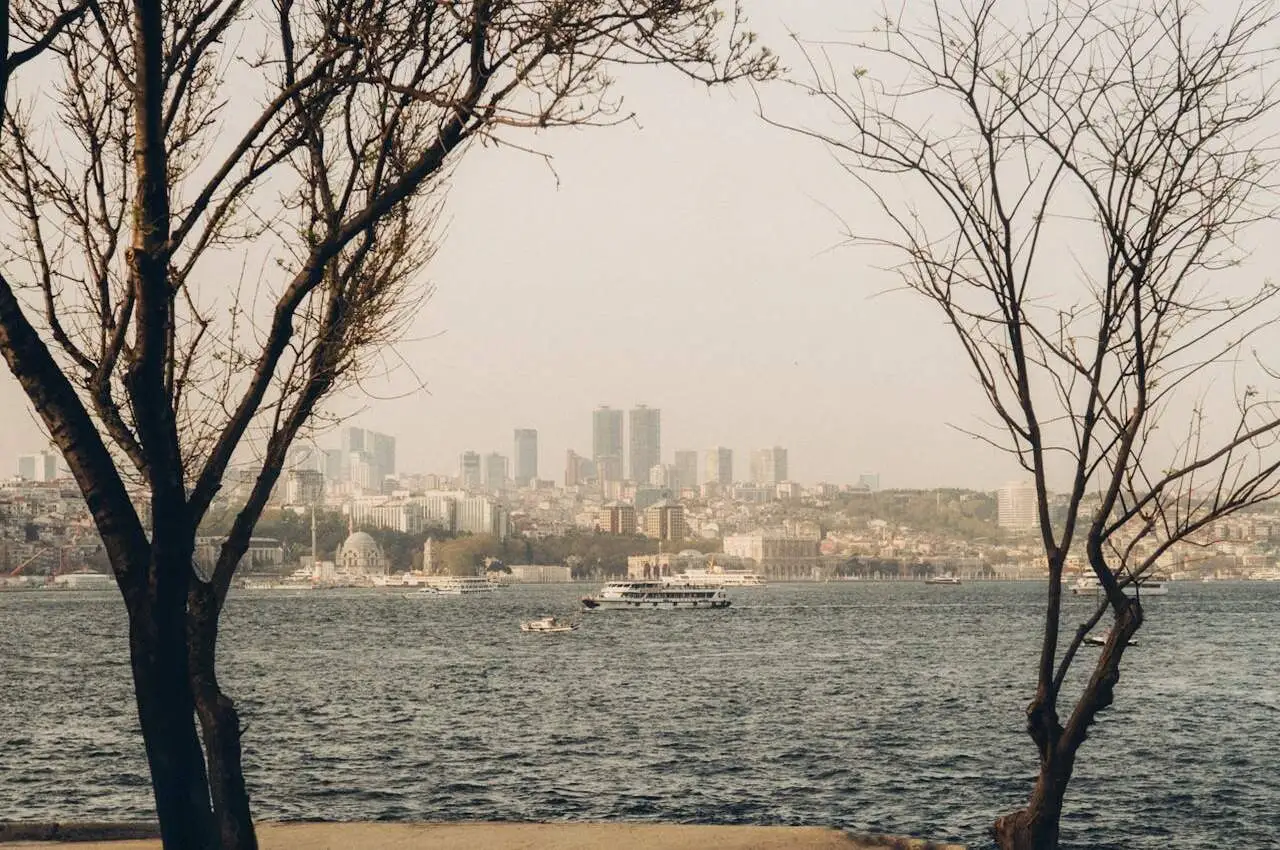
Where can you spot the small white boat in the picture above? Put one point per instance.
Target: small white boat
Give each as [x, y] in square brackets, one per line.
[421, 593]
[1086, 583]
[943, 579]
[1101, 640]
[547, 624]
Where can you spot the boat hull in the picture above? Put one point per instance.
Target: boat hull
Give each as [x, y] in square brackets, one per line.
[596, 604]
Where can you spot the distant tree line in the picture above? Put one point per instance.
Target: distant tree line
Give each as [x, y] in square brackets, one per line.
[588, 553]
[968, 514]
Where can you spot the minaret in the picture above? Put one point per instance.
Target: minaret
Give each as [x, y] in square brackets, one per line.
[315, 556]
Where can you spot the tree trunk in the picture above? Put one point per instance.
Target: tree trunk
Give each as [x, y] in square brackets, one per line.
[1036, 826]
[220, 725]
[167, 716]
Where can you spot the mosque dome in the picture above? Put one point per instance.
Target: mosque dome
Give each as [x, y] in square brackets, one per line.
[360, 553]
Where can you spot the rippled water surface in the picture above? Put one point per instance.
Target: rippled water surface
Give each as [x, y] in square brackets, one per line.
[877, 707]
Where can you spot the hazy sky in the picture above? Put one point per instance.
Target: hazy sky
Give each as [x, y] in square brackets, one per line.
[691, 263]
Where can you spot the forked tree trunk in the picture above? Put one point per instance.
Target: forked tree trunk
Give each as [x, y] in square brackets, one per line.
[1036, 826]
[167, 716]
[220, 726]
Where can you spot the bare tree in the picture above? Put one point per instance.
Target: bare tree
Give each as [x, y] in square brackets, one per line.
[1071, 189]
[183, 142]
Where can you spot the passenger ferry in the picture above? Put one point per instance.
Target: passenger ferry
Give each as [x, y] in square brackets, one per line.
[717, 577]
[948, 578]
[648, 595]
[1146, 585]
[458, 585]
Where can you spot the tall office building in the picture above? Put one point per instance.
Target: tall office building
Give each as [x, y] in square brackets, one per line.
[526, 455]
[606, 443]
[686, 468]
[42, 466]
[304, 486]
[719, 468]
[664, 475]
[383, 449]
[1016, 507]
[469, 470]
[353, 440]
[331, 464]
[577, 469]
[769, 466]
[367, 457]
[495, 472]
[646, 440]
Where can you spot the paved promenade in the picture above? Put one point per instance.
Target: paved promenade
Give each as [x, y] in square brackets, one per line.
[491, 836]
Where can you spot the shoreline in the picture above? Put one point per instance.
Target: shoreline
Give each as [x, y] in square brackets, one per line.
[311, 835]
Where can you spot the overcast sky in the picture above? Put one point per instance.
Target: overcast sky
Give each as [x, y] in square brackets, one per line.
[691, 263]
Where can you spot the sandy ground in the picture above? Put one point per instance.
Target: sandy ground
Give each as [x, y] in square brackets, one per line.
[530, 836]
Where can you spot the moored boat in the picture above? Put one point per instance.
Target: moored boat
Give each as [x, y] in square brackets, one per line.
[718, 577]
[943, 579]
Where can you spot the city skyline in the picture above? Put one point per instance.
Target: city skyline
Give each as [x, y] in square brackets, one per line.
[745, 250]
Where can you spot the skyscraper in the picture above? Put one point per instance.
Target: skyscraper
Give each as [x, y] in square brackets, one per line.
[367, 457]
[383, 449]
[577, 469]
[38, 467]
[686, 468]
[495, 472]
[719, 466]
[469, 470]
[646, 439]
[526, 455]
[606, 443]
[1016, 506]
[769, 466]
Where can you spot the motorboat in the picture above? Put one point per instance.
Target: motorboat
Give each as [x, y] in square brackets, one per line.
[548, 625]
[943, 579]
[422, 593]
[650, 594]
[1101, 640]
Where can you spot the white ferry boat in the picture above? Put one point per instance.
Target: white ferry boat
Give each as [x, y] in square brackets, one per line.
[647, 595]
[943, 579]
[717, 577]
[1089, 584]
[458, 585]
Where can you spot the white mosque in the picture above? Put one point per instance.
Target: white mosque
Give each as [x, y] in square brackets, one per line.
[360, 554]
